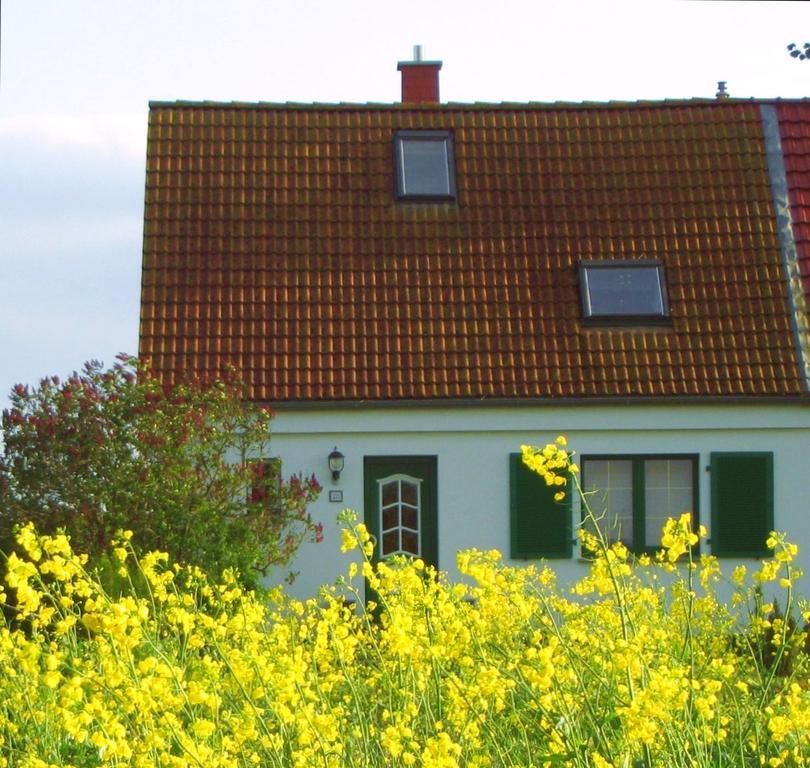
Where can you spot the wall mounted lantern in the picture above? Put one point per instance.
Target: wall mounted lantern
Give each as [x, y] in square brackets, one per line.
[336, 461]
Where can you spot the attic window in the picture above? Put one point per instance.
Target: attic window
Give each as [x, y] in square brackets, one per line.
[623, 291]
[424, 165]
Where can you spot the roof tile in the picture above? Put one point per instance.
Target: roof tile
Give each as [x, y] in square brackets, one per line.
[273, 243]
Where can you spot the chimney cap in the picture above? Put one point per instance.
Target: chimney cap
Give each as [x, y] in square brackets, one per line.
[405, 64]
[418, 61]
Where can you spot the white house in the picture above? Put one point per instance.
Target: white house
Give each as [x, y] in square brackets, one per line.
[425, 286]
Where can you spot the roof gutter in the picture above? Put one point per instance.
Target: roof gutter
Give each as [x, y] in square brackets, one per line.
[534, 402]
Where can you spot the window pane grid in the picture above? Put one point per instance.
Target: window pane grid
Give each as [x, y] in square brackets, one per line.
[400, 516]
[668, 493]
[638, 494]
[611, 485]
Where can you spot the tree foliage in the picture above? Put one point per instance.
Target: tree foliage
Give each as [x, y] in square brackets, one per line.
[110, 450]
[798, 52]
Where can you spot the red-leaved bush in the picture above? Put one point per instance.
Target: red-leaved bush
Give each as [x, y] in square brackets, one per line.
[107, 450]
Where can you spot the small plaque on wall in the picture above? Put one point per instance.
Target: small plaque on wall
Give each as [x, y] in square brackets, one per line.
[335, 495]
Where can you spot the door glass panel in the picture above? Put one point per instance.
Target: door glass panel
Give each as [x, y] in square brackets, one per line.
[410, 517]
[390, 543]
[410, 493]
[400, 506]
[390, 493]
[390, 518]
[410, 542]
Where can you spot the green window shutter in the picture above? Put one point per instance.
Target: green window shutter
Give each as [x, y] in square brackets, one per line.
[540, 526]
[742, 503]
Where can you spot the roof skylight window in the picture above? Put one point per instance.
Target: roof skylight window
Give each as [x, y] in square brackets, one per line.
[623, 292]
[424, 165]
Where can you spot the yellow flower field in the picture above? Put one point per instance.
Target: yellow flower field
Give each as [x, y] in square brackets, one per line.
[638, 665]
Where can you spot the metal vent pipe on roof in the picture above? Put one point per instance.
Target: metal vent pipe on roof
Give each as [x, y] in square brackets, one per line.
[722, 93]
[417, 53]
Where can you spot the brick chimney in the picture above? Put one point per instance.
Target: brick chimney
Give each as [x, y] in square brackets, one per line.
[420, 79]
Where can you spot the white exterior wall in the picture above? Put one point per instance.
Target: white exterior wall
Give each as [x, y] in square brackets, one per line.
[472, 445]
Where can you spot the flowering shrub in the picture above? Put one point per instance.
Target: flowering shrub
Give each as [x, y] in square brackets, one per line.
[106, 450]
[638, 665]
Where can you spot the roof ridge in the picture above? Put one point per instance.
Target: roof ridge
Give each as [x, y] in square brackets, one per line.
[459, 105]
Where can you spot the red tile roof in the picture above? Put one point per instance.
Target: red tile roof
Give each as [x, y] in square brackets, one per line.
[273, 243]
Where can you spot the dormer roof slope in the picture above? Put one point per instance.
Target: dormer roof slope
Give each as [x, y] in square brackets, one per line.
[274, 243]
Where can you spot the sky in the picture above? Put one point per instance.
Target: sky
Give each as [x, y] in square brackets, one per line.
[76, 77]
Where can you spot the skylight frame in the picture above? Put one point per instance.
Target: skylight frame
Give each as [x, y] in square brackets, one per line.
[441, 138]
[658, 315]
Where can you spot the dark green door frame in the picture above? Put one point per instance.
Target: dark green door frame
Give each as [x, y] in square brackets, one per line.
[422, 468]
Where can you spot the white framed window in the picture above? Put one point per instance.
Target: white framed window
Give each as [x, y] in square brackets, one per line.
[633, 496]
[400, 505]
